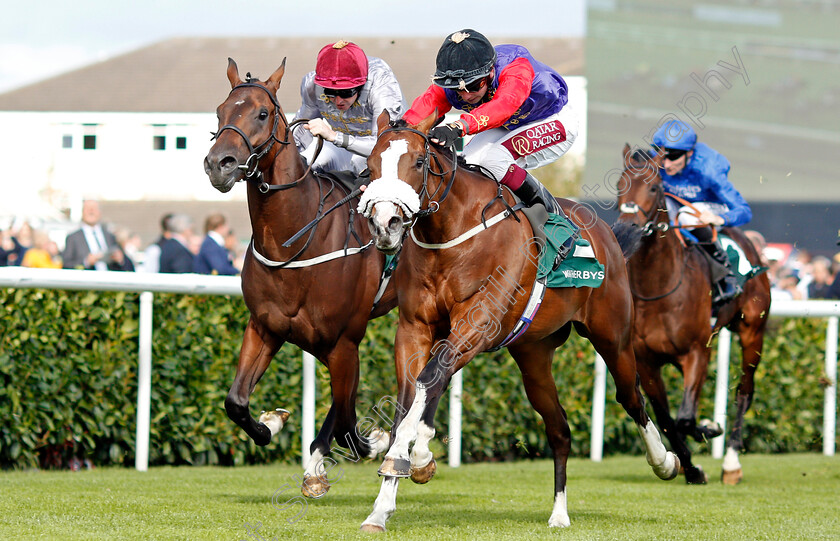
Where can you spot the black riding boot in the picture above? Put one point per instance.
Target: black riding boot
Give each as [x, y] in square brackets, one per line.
[532, 192]
[727, 288]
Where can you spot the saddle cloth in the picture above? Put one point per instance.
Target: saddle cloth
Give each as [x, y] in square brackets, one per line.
[579, 269]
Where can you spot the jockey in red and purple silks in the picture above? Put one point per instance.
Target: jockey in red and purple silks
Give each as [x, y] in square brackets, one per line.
[515, 107]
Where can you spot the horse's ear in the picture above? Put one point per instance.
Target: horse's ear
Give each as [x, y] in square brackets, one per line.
[233, 73]
[277, 76]
[426, 124]
[383, 121]
[628, 155]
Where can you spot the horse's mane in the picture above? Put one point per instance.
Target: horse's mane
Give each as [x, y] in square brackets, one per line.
[629, 237]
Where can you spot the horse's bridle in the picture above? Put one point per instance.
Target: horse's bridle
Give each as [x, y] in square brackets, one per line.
[433, 204]
[258, 152]
[652, 224]
[650, 217]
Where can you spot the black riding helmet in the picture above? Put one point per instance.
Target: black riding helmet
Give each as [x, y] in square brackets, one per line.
[464, 57]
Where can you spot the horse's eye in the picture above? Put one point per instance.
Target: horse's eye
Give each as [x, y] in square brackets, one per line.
[652, 189]
[420, 163]
[263, 114]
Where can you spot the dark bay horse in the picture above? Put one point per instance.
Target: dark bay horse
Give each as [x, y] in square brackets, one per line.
[320, 306]
[672, 294]
[460, 296]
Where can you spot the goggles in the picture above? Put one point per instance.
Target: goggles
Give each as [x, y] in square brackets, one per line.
[475, 86]
[673, 154]
[343, 93]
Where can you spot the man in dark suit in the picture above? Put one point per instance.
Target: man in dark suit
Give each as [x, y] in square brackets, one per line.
[213, 257]
[92, 247]
[175, 254]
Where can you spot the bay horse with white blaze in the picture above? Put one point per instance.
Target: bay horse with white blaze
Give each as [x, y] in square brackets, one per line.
[672, 294]
[459, 295]
[318, 293]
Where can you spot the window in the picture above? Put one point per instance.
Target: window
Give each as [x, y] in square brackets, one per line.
[89, 142]
[181, 143]
[67, 141]
[159, 142]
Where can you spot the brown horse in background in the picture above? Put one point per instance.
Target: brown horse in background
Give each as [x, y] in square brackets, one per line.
[321, 307]
[457, 299]
[672, 292]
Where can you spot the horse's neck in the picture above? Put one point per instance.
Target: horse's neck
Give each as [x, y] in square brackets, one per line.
[277, 215]
[661, 252]
[461, 210]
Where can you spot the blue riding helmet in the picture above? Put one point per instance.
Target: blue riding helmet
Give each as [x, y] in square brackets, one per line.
[675, 134]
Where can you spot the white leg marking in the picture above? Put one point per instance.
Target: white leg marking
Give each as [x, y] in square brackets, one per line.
[420, 453]
[407, 431]
[315, 466]
[273, 420]
[559, 515]
[730, 460]
[662, 460]
[385, 504]
[379, 440]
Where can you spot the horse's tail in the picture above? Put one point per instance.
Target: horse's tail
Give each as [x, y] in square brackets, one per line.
[629, 236]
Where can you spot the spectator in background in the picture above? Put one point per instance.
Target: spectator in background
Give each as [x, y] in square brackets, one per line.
[43, 254]
[175, 254]
[151, 257]
[92, 247]
[820, 278]
[758, 243]
[128, 243]
[236, 254]
[8, 245]
[213, 257]
[785, 286]
[13, 244]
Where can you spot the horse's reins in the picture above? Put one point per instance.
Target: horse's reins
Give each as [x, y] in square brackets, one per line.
[252, 172]
[433, 205]
[257, 153]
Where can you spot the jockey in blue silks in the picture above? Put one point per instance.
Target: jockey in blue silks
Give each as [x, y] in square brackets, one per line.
[698, 174]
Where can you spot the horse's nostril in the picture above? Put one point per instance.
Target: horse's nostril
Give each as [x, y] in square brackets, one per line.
[228, 163]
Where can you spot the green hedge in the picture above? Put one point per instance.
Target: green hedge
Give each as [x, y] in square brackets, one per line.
[68, 378]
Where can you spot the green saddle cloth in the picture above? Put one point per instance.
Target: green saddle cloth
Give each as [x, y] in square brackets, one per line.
[580, 268]
[741, 266]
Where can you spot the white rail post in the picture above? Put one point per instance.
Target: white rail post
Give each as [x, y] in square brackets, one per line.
[721, 389]
[307, 421]
[455, 391]
[829, 411]
[144, 382]
[599, 397]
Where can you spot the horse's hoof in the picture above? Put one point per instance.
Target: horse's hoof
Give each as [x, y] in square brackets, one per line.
[710, 429]
[314, 487]
[423, 475]
[372, 528]
[696, 476]
[274, 420]
[731, 477]
[395, 467]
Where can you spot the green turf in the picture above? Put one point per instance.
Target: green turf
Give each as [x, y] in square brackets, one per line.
[782, 497]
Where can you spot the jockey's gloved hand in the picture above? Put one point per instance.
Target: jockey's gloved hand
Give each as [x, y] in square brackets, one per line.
[447, 135]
